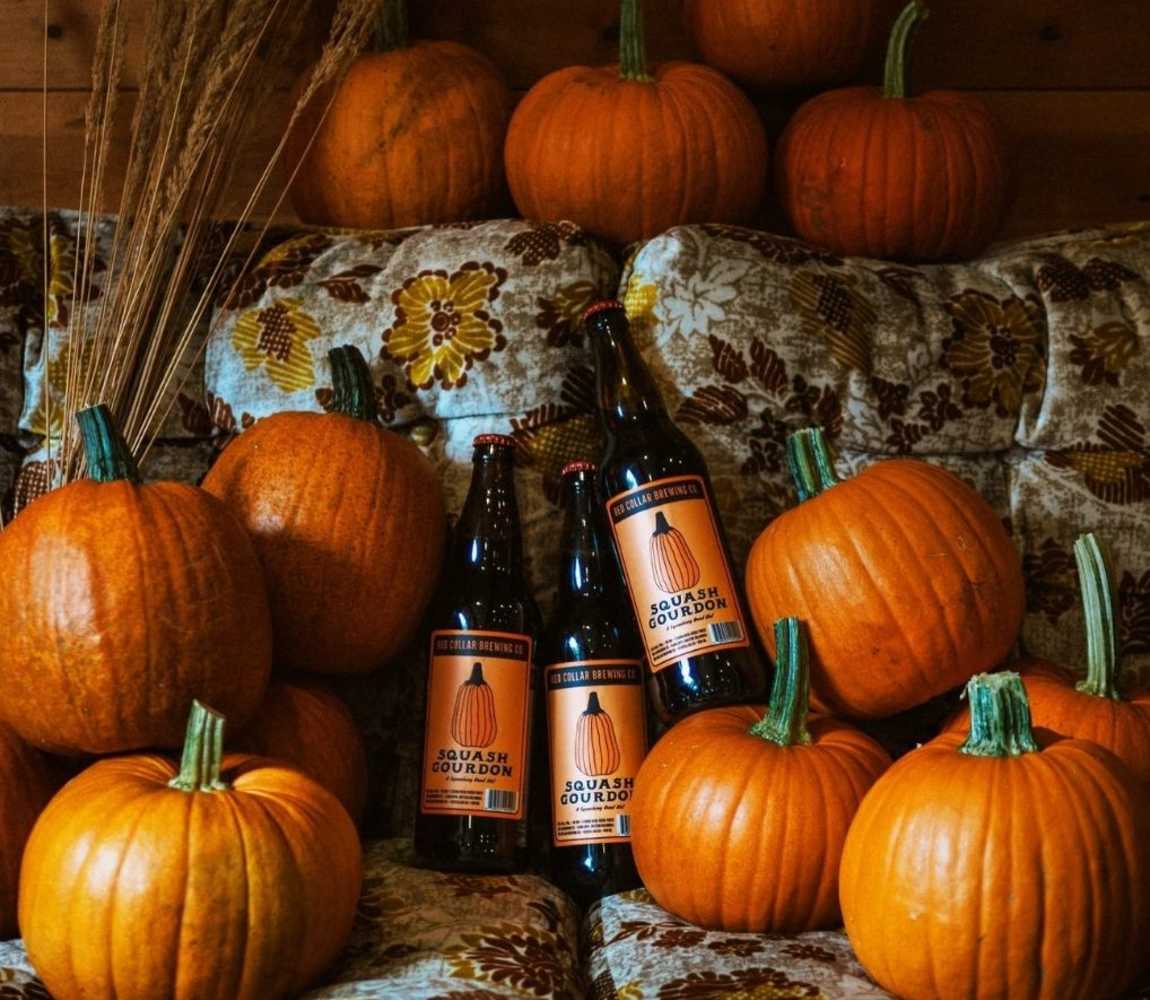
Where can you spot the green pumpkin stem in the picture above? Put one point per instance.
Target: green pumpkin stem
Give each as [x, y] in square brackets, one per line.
[1097, 590]
[786, 720]
[107, 453]
[898, 49]
[391, 31]
[203, 752]
[810, 463]
[632, 42]
[353, 392]
[999, 717]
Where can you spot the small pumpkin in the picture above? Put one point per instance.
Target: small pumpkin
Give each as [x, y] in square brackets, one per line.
[907, 579]
[223, 877]
[473, 720]
[348, 522]
[413, 136]
[673, 566]
[121, 602]
[304, 723]
[758, 805]
[1094, 708]
[596, 746]
[996, 864]
[27, 781]
[627, 152]
[878, 173]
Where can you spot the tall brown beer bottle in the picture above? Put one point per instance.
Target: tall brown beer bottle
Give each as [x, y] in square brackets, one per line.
[596, 705]
[670, 545]
[480, 684]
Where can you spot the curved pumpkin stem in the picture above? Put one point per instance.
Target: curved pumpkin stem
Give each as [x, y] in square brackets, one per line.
[353, 391]
[391, 31]
[108, 455]
[203, 752]
[810, 463]
[999, 717]
[898, 49]
[786, 720]
[632, 42]
[1097, 590]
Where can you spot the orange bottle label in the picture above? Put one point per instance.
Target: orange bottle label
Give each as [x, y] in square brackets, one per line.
[478, 724]
[677, 572]
[598, 739]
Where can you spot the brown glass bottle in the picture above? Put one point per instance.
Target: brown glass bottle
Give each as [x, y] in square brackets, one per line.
[667, 537]
[481, 684]
[596, 705]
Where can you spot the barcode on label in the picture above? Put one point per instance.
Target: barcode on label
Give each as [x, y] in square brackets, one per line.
[623, 826]
[495, 800]
[725, 631]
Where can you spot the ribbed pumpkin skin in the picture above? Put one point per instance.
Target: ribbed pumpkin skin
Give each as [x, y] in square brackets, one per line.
[596, 745]
[760, 827]
[135, 890]
[627, 159]
[122, 603]
[1019, 879]
[27, 782]
[673, 566]
[923, 178]
[305, 724]
[906, 578]
[784, 44]
[413, 137]
[473, 720]
[348, 522]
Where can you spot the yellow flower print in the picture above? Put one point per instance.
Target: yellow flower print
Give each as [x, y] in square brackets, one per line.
[442, 324]
[277, 336]
[639, 300]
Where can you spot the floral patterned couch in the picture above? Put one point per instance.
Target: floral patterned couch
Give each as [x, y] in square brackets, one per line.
[1027, 372]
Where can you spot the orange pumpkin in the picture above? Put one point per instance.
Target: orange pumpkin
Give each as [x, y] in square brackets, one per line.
[673, 567]
[596, 745]
[628, 153]
[998, 865]
[1094, 708]
[473, 721]
[906, 578]
[414, 135]
[784, 44]
[877, 173]
[306, 724]
[757, 805]
[348, 522]
[225, 877]
[121, 602]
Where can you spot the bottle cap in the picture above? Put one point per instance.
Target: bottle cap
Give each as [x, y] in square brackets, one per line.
[498, 440]
[572, 467]
[598, 307]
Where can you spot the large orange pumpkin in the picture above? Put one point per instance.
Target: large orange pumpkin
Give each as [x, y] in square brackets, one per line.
[907, 579]
[628, 153]
[27, 781]
[414, 135]
[473, 719]
[348, 522]
[306, 724]
[755, 806]
[996, 865]
[784, 44]
[224, 877]
[877, 173]
[121, 602]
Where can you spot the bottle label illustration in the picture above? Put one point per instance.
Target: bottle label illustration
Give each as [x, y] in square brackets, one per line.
[677, 572]
[478, 724]
[597, 735]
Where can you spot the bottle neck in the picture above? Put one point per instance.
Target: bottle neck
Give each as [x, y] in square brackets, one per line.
[584, 563]
[628, 396]
[487, 536]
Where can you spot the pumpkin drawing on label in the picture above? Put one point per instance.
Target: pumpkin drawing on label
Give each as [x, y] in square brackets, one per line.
[672, 564]
[473, 722]
[596, 745]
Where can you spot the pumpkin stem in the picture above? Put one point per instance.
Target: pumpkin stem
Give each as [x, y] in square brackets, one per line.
[999, 717]
[810, 463]
[632, 43]
[1097, 590]
[898, 48]
[662, 527]
[203, 752]
[476, 677]
[786, 720]
[108, 455]
[353, 392]
[593, 706]
[391, 31]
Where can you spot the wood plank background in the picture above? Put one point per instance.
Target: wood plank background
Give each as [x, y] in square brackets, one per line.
[1069, 81]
